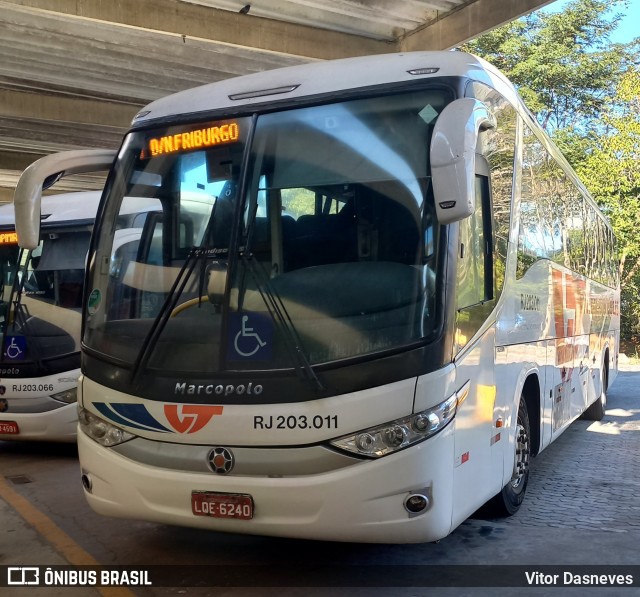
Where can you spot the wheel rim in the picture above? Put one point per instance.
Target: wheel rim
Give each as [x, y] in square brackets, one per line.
[521, 463]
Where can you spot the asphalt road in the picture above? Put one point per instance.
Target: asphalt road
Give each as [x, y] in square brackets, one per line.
[582, 508]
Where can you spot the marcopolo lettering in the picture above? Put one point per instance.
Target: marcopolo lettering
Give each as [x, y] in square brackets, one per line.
[185, 389]
[529, 302]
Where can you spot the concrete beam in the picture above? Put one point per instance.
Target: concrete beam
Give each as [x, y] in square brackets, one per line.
[20, 104]
[58, 54]
[6, 195]
[461, 25]
[33, 125]
[69, 184]
[16, 161]
[219, 26]
[43, 137]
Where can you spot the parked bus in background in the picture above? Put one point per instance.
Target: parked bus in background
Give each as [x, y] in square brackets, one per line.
[398, 293]
[40, 314]
[41, 317]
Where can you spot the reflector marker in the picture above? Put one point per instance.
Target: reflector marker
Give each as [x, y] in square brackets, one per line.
[463, 393]
[463, 458]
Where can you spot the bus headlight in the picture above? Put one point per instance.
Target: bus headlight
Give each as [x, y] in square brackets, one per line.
[401, 433]
[68, 396]
[102, 431]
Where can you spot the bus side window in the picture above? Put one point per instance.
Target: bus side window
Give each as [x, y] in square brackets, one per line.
[474, 282]
[497, 145]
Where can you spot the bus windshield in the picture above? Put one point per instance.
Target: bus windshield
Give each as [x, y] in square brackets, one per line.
[293, 238]
[42, 297]
[9, 252]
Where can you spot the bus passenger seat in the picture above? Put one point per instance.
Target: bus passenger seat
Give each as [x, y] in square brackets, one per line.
[323, 239]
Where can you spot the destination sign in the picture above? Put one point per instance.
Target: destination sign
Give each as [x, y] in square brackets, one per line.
[8, 238]
[200, 138]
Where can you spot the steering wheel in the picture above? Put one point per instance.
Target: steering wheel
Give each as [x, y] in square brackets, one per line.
[188, 304]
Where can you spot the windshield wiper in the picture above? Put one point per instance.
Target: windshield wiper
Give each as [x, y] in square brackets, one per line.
[17, 316]
[276, 307]
[177, 288]
[280, 315]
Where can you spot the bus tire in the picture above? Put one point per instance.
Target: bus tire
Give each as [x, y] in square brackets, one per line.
[508, 501]
[597, 410]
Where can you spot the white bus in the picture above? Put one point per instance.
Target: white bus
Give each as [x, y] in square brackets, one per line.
[40, 312]
[398, 294]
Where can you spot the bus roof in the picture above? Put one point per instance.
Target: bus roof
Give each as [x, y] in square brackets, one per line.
[80, 206]
[323, 78]
[64, 207]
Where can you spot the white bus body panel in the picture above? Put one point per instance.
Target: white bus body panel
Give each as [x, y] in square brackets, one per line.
[57, 421]
[363, 502]
[360, 502]
[547, 326]
[325, 77]
[58, 424]
[480, 447]
[248, 425]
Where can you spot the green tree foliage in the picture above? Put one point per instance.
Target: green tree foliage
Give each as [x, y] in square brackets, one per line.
[611, 170]
[563, 63]
[585, 91]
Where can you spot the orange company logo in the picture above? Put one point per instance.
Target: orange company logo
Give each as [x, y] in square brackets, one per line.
[189, 418]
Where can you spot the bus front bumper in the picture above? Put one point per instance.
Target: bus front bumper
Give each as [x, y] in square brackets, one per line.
[58, 425]
[363, 502]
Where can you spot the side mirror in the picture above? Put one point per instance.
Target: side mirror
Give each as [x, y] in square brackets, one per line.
[27, 198]
[453, 150]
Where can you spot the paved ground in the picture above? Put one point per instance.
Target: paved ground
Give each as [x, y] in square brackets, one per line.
[582, 508]
[590, 477]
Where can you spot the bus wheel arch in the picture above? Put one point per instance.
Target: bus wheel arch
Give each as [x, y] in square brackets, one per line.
[526, 444]
[597, 410]
[531, 396]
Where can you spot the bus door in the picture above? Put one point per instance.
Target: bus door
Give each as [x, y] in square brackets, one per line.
[479, 443]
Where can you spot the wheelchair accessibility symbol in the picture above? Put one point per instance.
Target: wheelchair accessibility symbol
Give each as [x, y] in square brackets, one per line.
[250, 336]
[15, 348]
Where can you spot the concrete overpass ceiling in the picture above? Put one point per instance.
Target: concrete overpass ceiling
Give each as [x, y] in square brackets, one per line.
[378, 19]
[74, 72]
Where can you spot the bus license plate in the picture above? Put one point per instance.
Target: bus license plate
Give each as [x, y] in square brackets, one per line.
[9, 427]
[222, 505]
